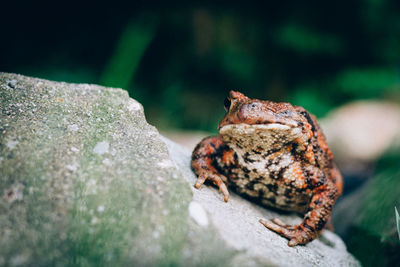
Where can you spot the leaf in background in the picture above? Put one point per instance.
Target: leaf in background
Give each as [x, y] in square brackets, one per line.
[397, 221]
[313, 98]
[371, 82]
[129, 50]
[237, 63]
[305, 40]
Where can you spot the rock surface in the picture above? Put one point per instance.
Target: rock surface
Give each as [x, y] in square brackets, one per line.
[362, 131]
[86, 181]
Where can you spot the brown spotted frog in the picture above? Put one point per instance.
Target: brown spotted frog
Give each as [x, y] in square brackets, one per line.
[276, 155]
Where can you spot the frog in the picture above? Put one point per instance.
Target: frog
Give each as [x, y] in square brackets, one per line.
[275, 154]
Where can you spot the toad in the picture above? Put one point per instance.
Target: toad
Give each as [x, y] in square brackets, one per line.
[276, 155]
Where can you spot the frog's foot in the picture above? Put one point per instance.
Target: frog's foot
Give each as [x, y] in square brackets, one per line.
[217, 181]
[280, 223]
[296, 234]
[203, 157]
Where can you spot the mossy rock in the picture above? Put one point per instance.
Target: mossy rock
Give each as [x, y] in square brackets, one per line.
[85, 181]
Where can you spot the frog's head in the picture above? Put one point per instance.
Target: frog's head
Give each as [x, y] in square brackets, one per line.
[255, 118]
[241, 109]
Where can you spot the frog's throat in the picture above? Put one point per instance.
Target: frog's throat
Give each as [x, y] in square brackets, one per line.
[267, 136]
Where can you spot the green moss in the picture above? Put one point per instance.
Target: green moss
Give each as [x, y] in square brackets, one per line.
[82, 208]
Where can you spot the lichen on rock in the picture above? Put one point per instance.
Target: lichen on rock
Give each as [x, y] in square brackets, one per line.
[78, 172]
[86, 181]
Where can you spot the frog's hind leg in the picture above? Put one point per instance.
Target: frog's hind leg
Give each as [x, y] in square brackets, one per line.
[203, 163]
[314, 220]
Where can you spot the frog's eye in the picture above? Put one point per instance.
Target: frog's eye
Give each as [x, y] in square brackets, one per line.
[227, 104]
[286, 113]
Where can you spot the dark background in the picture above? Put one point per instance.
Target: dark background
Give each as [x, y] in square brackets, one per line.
[180, 59]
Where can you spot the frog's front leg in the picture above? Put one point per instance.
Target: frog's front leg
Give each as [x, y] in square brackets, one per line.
[324, 197]
[204, 160]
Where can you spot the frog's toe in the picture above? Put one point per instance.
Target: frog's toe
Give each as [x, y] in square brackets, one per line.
[299, 237]
[293, 242]
[295, 235]
[216, 179]
[222, 186]
[200, 181]
[276, 226]
[281, 224]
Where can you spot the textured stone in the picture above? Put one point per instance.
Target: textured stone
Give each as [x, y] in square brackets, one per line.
[236, 224]
[86, 181]
[84, 178]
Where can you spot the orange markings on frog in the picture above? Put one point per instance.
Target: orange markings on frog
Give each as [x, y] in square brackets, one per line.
[290, 154]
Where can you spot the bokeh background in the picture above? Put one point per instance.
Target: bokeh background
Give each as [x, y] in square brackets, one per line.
[181, 58]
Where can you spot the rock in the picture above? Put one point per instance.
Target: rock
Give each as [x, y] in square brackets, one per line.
[86, 181]
[236, 223]
[360, 132]
[188, 139]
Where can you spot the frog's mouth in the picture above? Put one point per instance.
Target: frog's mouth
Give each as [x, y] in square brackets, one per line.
[259, 134]
[253, 128]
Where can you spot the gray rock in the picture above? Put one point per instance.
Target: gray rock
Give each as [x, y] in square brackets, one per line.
[360, 132]
[236, 223]
[86, 181]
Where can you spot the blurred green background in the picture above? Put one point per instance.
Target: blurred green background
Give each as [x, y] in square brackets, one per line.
[180, 59]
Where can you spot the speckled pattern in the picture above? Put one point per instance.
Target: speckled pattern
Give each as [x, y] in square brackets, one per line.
[276, 155]
[235, 223]
[85, 181]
